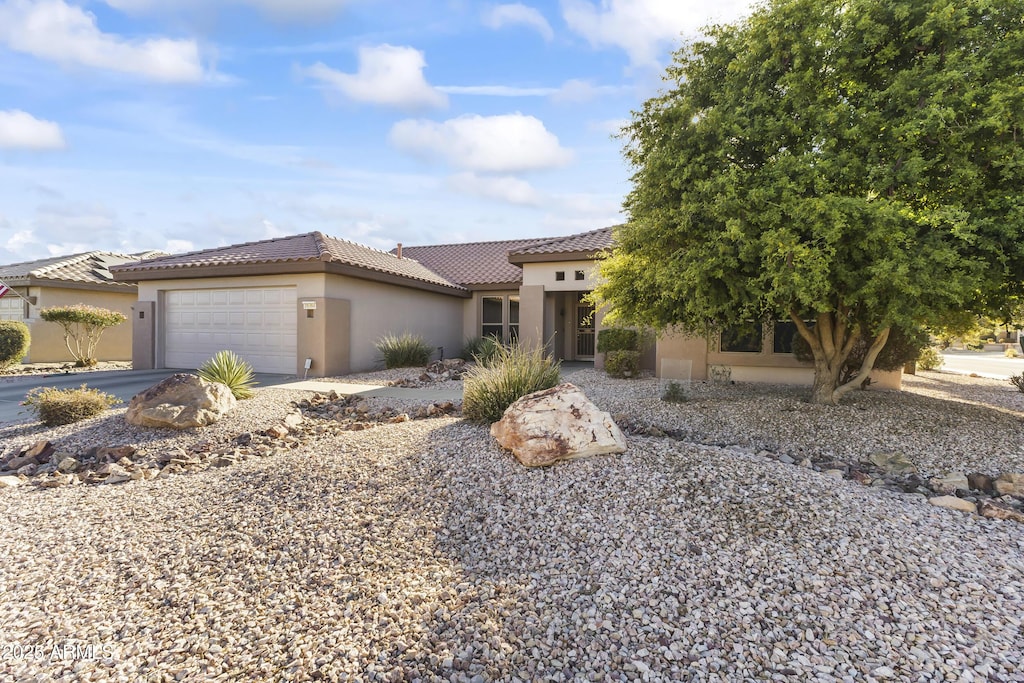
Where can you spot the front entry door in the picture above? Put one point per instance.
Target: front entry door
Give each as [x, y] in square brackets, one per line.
[584, 328]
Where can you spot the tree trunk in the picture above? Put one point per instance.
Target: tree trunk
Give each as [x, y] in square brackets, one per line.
[831, 341]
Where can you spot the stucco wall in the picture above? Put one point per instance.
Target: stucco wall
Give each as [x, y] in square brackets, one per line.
[378, 309]
[544, 274]
[48, 338]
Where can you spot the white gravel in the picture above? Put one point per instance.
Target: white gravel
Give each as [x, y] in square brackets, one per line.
[421, 551]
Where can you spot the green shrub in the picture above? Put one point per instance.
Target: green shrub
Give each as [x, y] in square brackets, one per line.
[1010, 352]
[674, 393]
[404, 351]
[82, 325]
[622, 363]
[514, 372]
[230, 370]
[480, 349]
[930, 359]
[617, 339]
[63, 406]
[14, 341]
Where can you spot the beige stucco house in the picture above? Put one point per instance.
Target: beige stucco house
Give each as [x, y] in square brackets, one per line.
[63, 281]
[313, 299]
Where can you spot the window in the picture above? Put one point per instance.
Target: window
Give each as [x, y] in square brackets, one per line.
[785, 333]
[493, 317]
[580, 275]
[559, 275]
[743, 338]
[513, 318]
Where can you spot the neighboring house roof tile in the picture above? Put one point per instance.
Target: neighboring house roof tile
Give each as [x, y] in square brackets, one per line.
[473, 263]
[584, 243]
[309, 247]
[88, 268]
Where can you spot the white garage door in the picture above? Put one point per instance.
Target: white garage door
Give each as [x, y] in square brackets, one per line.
[258, 324]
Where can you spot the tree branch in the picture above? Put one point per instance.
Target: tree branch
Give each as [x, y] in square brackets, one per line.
[865, 368]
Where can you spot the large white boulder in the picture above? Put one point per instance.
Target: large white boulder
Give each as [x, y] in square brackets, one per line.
[556, 424]
[179, 402]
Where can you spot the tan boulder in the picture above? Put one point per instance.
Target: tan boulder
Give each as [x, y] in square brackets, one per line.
[953, 503]
[556, 424]
[179, 402]
[1010, 484]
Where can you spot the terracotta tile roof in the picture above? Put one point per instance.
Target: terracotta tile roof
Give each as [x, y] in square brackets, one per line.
[589, 243]
[91, 267]
[305, 248]
[473, 263]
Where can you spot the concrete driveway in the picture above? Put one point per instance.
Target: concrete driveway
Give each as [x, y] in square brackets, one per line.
[984, 363]
[121, 383]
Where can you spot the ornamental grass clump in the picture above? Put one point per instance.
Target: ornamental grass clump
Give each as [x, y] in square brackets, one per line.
[55, 407]
[406, 350]
[14, 342]
[230, 370]
[480, 349]
[514, 371]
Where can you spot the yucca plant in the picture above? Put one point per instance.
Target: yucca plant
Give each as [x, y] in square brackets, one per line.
[514, 371]
[56, 407]
[405, 350]
[230, 370]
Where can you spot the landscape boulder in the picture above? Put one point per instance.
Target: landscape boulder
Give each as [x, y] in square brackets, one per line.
[179, 402]
[556, 424]
[1010, 484]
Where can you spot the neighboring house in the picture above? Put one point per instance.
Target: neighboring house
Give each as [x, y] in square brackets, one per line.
[283, 302]
[67, 280]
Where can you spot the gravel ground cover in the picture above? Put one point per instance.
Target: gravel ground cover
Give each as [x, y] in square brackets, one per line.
[421, 551]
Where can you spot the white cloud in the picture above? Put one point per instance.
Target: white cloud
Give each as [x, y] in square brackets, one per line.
[388, 75]
[511, 14]
[503, 188]
[278, 9]
[575, 91]
[21, 130]
[609, 126]
[56, 31]
[492, 144]
[645, 29]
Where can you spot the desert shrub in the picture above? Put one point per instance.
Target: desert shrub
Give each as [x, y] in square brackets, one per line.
[1010, 352]
[617, 339]
[83, 325]
[230, 370]
[480, 349]
[622, 363]
[404, 351]
[63, 406]
[1018, 381]
[674, 393]
[14, 341]
[514, 372]
[930, 359]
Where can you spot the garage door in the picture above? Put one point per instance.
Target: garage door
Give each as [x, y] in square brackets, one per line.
[256, 323]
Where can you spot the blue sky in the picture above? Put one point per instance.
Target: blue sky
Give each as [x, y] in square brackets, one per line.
[188, 124]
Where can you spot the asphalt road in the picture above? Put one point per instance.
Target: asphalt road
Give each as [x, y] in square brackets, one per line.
[985, 363]
[121, 383]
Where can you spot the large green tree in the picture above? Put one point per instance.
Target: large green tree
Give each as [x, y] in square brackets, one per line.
[850, 165]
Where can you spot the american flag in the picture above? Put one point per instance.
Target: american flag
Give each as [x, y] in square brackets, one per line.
[3, 290]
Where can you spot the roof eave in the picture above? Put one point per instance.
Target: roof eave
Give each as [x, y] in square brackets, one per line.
[590, 255]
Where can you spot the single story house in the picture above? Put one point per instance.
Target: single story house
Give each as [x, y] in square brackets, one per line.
[313, 304]
[63, 281]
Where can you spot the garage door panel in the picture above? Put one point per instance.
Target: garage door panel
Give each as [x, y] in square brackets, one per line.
[259, 324]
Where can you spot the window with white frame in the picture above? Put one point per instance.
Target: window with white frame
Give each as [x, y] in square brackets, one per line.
[499, 317]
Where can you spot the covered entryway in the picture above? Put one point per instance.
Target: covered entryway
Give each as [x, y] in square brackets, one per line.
[258, 323]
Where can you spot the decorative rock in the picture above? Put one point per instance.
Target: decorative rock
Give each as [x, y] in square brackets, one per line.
[277, 432]
[950, 483]
[27, 470]
[117, 474]
[102, 454]
[179, 402]
[293, 420]
[835, 474]
[981, 482]
[9, 481]
[68, 464]
[556, 424]
[953, 503]
[38, 453]
[893, 463]
[994, 510]
[1010, 484]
